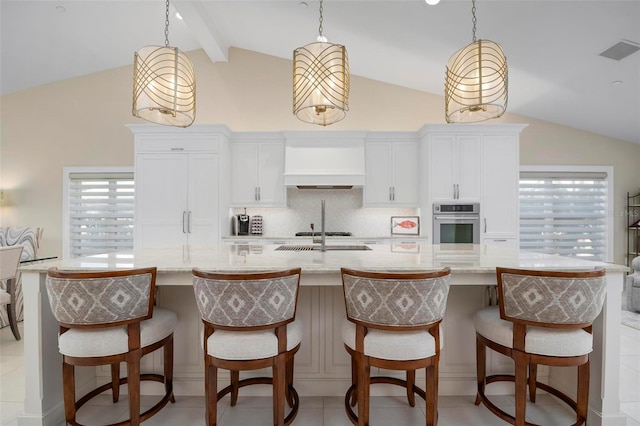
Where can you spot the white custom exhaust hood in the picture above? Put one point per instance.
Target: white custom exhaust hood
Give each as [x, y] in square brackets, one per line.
[324, 159]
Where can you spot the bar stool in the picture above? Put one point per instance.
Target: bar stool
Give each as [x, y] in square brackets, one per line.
[542, 317]
[249, 323]
[393, 322]
[107, 318]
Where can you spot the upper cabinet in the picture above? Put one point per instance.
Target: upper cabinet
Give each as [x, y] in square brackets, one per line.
[391, 172]
[454, 167]
[257, 168]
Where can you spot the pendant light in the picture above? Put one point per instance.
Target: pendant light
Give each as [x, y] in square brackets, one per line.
[320, 81]
[476, 83]
[164, 84]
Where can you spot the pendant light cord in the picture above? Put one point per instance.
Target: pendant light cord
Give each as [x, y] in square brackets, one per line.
[473, 14]
[166, 27]
[320, 27]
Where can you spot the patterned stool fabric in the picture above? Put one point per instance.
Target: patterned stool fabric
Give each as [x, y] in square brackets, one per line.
[393, 322]
[107, 318]
[9, 261]
[249, 324]
[545, 318]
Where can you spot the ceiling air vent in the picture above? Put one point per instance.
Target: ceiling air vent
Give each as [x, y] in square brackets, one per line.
[621, 50]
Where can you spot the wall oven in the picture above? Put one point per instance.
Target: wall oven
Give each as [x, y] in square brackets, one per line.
[456, 223]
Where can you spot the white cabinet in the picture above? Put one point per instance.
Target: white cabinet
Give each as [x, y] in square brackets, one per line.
[391, 174]
[454, 165]
[499, 207]
[257, 173]
[178, 178]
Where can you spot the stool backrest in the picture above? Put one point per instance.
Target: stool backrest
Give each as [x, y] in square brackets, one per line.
[550, 298]
[9, 261]
[395, 300]
[101, 299]
[241, 300]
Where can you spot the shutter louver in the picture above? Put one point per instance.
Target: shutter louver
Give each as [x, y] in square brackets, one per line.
[101, 210]
[564, 213]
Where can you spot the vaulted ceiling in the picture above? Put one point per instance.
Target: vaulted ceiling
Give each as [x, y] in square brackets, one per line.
[555, 70]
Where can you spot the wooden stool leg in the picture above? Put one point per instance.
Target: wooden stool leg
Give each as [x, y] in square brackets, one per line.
[211, 391]
[133, 378]
[533, 377]
[279, 383]
[289, 385]
[582, 400]
[411, 380]
[115, 382]
[521, 368]
[354, 380]
[364, 379]
[481, 368]
[13, 322]
[69, 389]
[235, 379]
[168, 369]
[431, 391]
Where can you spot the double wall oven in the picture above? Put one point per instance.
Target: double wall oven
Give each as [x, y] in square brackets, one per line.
[456, 223]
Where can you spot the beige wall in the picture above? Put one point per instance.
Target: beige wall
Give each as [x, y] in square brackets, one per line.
[81, 122]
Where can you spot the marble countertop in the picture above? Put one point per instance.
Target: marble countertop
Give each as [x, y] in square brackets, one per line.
[461, 258]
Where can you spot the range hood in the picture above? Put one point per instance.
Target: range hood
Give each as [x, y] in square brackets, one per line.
[321, 160]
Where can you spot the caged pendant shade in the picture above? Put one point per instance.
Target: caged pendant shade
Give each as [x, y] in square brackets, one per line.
[476, 81]
[164, 84]
[320, 81]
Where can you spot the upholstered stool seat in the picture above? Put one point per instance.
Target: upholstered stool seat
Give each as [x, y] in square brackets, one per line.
[249, 324]
[107, 318]
[543, 318]
[393, 322]
[393, 345]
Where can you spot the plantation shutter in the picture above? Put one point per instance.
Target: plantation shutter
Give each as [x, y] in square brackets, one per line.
[101, 207]
[564, 213]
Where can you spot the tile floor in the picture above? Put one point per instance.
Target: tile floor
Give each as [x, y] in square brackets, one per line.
[319, 411]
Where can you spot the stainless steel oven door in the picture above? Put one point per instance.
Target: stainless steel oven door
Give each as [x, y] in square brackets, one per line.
[456, 229]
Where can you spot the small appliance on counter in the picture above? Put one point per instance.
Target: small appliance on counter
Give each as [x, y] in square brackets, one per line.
[240, 224]
[256, 225]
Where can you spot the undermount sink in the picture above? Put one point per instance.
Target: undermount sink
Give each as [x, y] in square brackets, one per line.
[294, 247]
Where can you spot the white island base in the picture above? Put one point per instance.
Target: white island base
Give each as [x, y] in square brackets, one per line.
[322, 367]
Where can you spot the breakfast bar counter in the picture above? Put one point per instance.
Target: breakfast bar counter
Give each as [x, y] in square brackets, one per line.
[322, 365]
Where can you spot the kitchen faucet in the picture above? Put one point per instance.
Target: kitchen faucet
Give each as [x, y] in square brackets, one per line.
[322, 240]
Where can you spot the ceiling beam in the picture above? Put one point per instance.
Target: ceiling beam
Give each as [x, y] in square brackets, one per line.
[201, 20]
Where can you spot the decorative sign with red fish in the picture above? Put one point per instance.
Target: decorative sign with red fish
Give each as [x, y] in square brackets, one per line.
[405, 225]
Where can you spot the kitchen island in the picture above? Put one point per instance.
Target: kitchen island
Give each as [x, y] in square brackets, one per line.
[322, 365]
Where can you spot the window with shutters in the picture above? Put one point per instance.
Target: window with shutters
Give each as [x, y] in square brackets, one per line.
[566, 211]
[98, 210]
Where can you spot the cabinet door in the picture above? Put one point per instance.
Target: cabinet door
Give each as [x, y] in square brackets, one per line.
[161, 199]
[499, 205]
[405, 173]
[377, 189]
[203, 191]
[467, 165]
[244, 173]
[271, 173]
[442, 162]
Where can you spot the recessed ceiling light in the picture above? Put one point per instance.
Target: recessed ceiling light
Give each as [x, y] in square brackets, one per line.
[61, 9]
[178, 16]
[304, 4]
[432, 2]
[617, 82]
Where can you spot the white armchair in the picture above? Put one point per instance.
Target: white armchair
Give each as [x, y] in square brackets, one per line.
[9, 261]
[29, 239]
[633, 286]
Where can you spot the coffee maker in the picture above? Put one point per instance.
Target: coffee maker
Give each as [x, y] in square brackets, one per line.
[241, 224]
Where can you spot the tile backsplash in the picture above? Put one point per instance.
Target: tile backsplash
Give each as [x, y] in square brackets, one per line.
[344, 212]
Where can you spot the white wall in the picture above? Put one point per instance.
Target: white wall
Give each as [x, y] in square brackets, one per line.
[81, 122]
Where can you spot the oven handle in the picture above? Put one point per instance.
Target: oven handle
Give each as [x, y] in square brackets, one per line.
[457, 218]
